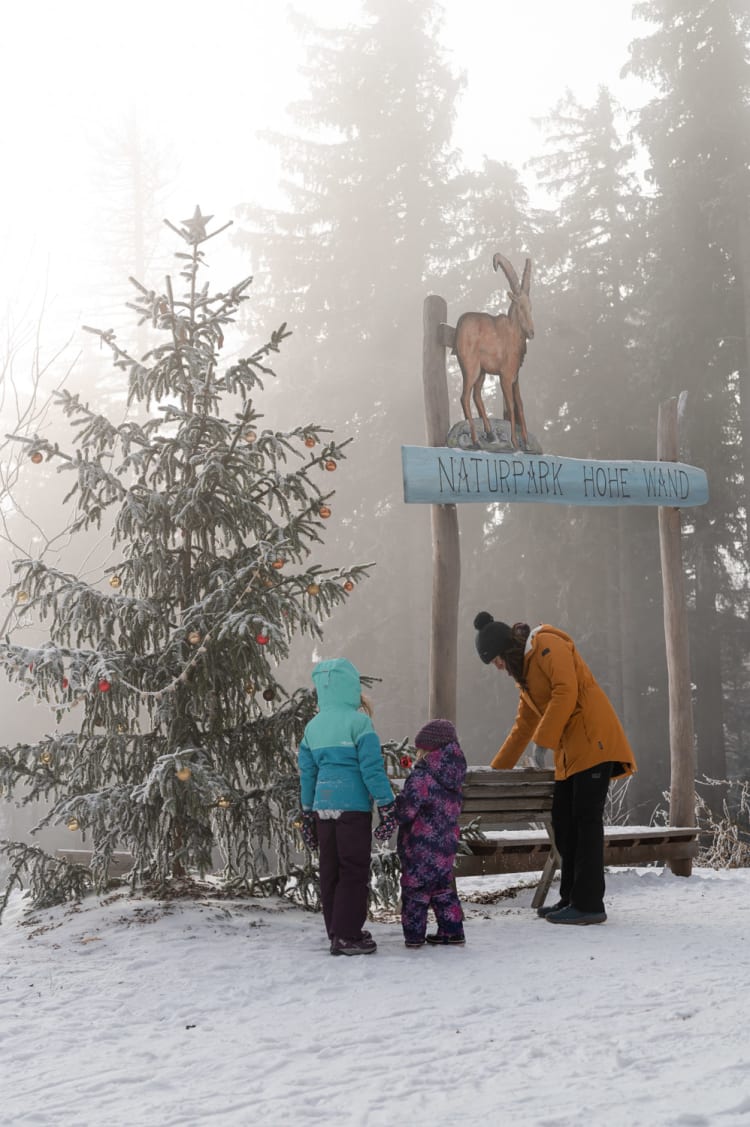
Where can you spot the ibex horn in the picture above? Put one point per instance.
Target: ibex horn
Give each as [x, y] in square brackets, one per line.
[510, 273]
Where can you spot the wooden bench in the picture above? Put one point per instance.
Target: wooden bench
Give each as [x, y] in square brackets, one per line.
[120, 862]
[505, 799]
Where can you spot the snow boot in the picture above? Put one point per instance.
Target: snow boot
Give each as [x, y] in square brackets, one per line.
[547, 910]
[571, 915]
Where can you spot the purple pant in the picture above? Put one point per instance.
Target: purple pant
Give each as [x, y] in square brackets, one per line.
[344, 850]
[443, 899]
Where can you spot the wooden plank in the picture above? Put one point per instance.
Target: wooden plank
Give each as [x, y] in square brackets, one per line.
[528, 862]
[449, 476]
[489, 819]
[505, 794]
[119, 864]
[648, 852]
[515, 776]
[497, 806]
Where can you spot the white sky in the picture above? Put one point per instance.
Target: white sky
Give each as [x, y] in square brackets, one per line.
[205, 78]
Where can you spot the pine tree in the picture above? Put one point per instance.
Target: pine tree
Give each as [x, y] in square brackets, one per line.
[175, 735]
[366, 175]
[696, 133]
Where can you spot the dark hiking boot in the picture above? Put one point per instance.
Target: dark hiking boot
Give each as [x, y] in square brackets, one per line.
[548, 909]
[414, 943]
[571, 915]
[365, 945]
[438, 940]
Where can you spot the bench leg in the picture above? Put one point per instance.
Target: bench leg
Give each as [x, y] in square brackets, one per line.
[551, 866]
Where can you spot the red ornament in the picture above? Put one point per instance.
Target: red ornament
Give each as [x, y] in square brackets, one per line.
[405, 761]
[262, 639]
[104, 685]
[65, 682]
[268, 694]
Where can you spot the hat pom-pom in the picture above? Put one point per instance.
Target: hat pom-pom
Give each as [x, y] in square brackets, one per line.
[483, 619]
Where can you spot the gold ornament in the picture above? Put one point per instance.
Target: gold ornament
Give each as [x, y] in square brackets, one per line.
[194, 638]
[45, 757]
[115, 581]
[22, 597]
[249, 688]
[313, 589]
[330, 465]
[72, 823]
[37, 457]
[324, 512]
[223, 801]
[183, 774]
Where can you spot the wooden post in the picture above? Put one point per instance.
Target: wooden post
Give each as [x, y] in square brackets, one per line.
[446, 557]
[681, 749]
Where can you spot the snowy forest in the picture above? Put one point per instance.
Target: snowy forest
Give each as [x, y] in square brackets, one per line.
[638, 225]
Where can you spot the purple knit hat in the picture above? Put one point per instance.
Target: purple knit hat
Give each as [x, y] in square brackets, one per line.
[436, 733]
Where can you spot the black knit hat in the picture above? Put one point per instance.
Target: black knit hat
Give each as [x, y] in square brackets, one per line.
[436, 733]
[493, 638]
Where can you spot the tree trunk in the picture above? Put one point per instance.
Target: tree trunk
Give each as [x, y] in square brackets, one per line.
[446, 557]
[682, 786]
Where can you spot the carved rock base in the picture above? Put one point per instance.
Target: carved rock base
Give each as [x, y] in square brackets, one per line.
[459, 436]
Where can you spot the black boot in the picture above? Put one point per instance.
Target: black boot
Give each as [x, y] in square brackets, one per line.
[548, 909]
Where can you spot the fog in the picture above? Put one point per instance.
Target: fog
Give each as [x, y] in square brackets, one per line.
[361, 172]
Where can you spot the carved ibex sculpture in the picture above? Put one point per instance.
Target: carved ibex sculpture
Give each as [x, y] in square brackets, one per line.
[484, 345]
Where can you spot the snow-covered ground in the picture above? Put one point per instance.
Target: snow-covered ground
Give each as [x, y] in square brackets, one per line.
[231, 1012]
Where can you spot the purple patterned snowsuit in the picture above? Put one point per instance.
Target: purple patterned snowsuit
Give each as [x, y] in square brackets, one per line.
[427, 810]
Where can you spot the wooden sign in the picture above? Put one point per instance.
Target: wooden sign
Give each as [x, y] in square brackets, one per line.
[439, 475]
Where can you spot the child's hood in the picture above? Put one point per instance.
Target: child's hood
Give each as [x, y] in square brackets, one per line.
[337, 683]
[447, 765]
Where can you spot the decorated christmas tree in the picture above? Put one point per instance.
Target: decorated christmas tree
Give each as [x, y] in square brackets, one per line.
[175, 739]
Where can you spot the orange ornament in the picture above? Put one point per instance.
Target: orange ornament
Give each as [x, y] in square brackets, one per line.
[309, 442]
[279, 563]
[330, 465]
[37, 457]
[324, 512]
[348, 586]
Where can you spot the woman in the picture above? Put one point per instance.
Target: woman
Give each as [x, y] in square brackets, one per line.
[562, 707]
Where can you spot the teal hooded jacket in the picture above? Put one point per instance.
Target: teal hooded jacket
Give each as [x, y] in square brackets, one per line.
[340, 759]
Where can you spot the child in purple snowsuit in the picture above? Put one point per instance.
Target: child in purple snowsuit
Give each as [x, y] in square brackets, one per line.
[427, 811]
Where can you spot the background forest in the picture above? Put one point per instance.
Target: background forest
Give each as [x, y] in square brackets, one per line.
[638, 225]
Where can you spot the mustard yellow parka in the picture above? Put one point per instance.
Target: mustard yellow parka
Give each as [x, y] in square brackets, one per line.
[564, 708]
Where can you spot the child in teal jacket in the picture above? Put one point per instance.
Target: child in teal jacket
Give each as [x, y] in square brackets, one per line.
[341, 774]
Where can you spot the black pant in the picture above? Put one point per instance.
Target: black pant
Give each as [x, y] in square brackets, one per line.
[578, 824]
[344, 850]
